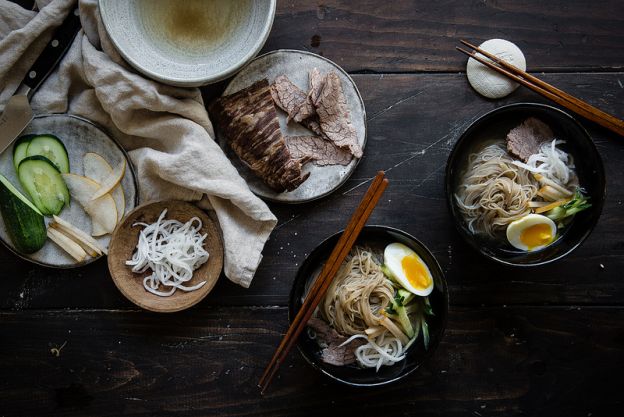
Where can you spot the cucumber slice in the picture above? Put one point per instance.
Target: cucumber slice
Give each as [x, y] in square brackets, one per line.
[43, 182]
[20, 148]
[23, 221]
[52, 148]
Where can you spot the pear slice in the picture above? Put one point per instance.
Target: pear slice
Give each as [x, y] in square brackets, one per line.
[82, 238]
[72, 248]
[96, 168]
[110, 182]
[102, 210]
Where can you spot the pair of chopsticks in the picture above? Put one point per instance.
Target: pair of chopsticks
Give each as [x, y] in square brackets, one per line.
[560, 97]
[323, 281]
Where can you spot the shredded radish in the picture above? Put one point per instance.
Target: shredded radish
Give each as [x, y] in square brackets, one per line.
[552, 163]
[172, 250]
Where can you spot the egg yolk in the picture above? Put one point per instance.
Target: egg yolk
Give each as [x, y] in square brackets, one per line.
[536, 235]
[415, 272]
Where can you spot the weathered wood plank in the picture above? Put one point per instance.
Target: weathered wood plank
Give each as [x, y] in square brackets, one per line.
[408, 36]
[492, 361]
[413, 122]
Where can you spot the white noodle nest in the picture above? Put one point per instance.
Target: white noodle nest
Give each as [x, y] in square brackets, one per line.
[172, 250]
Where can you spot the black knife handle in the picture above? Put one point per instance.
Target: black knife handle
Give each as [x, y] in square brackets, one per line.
[55, 50]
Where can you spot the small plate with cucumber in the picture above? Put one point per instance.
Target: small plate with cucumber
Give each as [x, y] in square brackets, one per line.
[64, 186]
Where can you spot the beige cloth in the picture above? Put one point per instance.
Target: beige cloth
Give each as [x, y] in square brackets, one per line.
[165, 129]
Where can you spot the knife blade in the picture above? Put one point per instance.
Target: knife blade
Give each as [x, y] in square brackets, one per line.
[17, 112]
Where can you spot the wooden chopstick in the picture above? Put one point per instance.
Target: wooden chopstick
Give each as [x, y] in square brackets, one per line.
[547, 90]
[323, 281]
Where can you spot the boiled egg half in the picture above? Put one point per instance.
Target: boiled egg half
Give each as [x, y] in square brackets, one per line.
[408, 269]
[531, 232]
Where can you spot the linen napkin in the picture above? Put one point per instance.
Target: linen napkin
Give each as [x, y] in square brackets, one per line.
[165, 129]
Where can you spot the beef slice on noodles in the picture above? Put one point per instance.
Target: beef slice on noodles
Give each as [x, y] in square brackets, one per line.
[248, 121]
[317, 149]
[525, 140]
[333, 352]
[333, 113]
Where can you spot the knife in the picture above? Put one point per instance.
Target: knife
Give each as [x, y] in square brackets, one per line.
[17, 112]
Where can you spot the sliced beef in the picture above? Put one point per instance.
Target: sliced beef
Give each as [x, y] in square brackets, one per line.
[291, 99]
[525, 140]
[248, 120]
[333, 113]
[334, 354]
[294, 101]
[317, 149]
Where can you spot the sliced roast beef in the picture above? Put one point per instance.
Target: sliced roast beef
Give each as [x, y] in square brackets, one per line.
[333, 113]
[317, 149]
[248, 120]
[295, 103]
[525, 140]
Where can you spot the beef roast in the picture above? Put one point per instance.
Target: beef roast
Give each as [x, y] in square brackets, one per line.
[317, 149]
[330, 341]
[248, 121]
[525, 140]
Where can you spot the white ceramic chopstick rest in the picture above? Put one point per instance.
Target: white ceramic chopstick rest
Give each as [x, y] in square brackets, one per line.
[488, 82]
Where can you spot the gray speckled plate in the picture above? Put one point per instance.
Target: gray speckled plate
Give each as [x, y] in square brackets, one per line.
[296, 65]
[79, 136]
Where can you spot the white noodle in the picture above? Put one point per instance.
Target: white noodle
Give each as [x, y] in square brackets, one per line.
[382, 350]
[172, 250]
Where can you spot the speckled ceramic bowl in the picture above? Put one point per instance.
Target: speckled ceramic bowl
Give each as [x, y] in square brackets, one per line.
[188, 43]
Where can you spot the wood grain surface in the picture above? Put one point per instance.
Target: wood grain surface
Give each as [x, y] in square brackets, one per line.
[492, 362]
[414, 36]
[545, 341]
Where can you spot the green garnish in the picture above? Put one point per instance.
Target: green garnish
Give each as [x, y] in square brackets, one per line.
[578, 203]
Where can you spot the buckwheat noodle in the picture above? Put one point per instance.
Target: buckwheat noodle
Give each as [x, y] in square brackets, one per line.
[494, 191]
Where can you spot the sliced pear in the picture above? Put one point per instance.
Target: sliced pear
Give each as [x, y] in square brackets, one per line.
[96, 168]
[78, 235]
[107, 185]
[72, 248]
[102, 210]
[90, 251]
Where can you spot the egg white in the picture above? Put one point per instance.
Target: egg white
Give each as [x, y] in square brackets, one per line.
[393, 255]
[515, 229]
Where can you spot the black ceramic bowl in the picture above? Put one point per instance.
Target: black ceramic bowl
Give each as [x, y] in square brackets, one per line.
[495, 125]
[376, 238]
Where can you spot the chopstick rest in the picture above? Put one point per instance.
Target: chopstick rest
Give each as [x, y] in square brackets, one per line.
[488, 82]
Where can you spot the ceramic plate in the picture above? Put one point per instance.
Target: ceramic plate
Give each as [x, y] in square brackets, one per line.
[296, 65]
[79, 136]
[188, 43]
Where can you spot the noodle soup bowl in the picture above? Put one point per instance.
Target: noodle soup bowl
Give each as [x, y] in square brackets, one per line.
[494, 126]
[375, 238]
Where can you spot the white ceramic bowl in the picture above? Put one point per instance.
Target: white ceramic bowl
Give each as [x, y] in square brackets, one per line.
[188, 43]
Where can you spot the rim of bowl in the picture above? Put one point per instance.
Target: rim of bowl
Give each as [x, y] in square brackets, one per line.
[205, 80]
[445, 294]
[474, 124]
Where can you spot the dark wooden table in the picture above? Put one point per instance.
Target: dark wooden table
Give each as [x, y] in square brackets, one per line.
[542, 341]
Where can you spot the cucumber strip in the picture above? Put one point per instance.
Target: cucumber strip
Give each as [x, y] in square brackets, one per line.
[20, 148]
[52, 148]
[43, 182]
[24, 223]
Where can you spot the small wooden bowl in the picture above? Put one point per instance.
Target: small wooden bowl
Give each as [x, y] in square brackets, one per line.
[124, 241]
